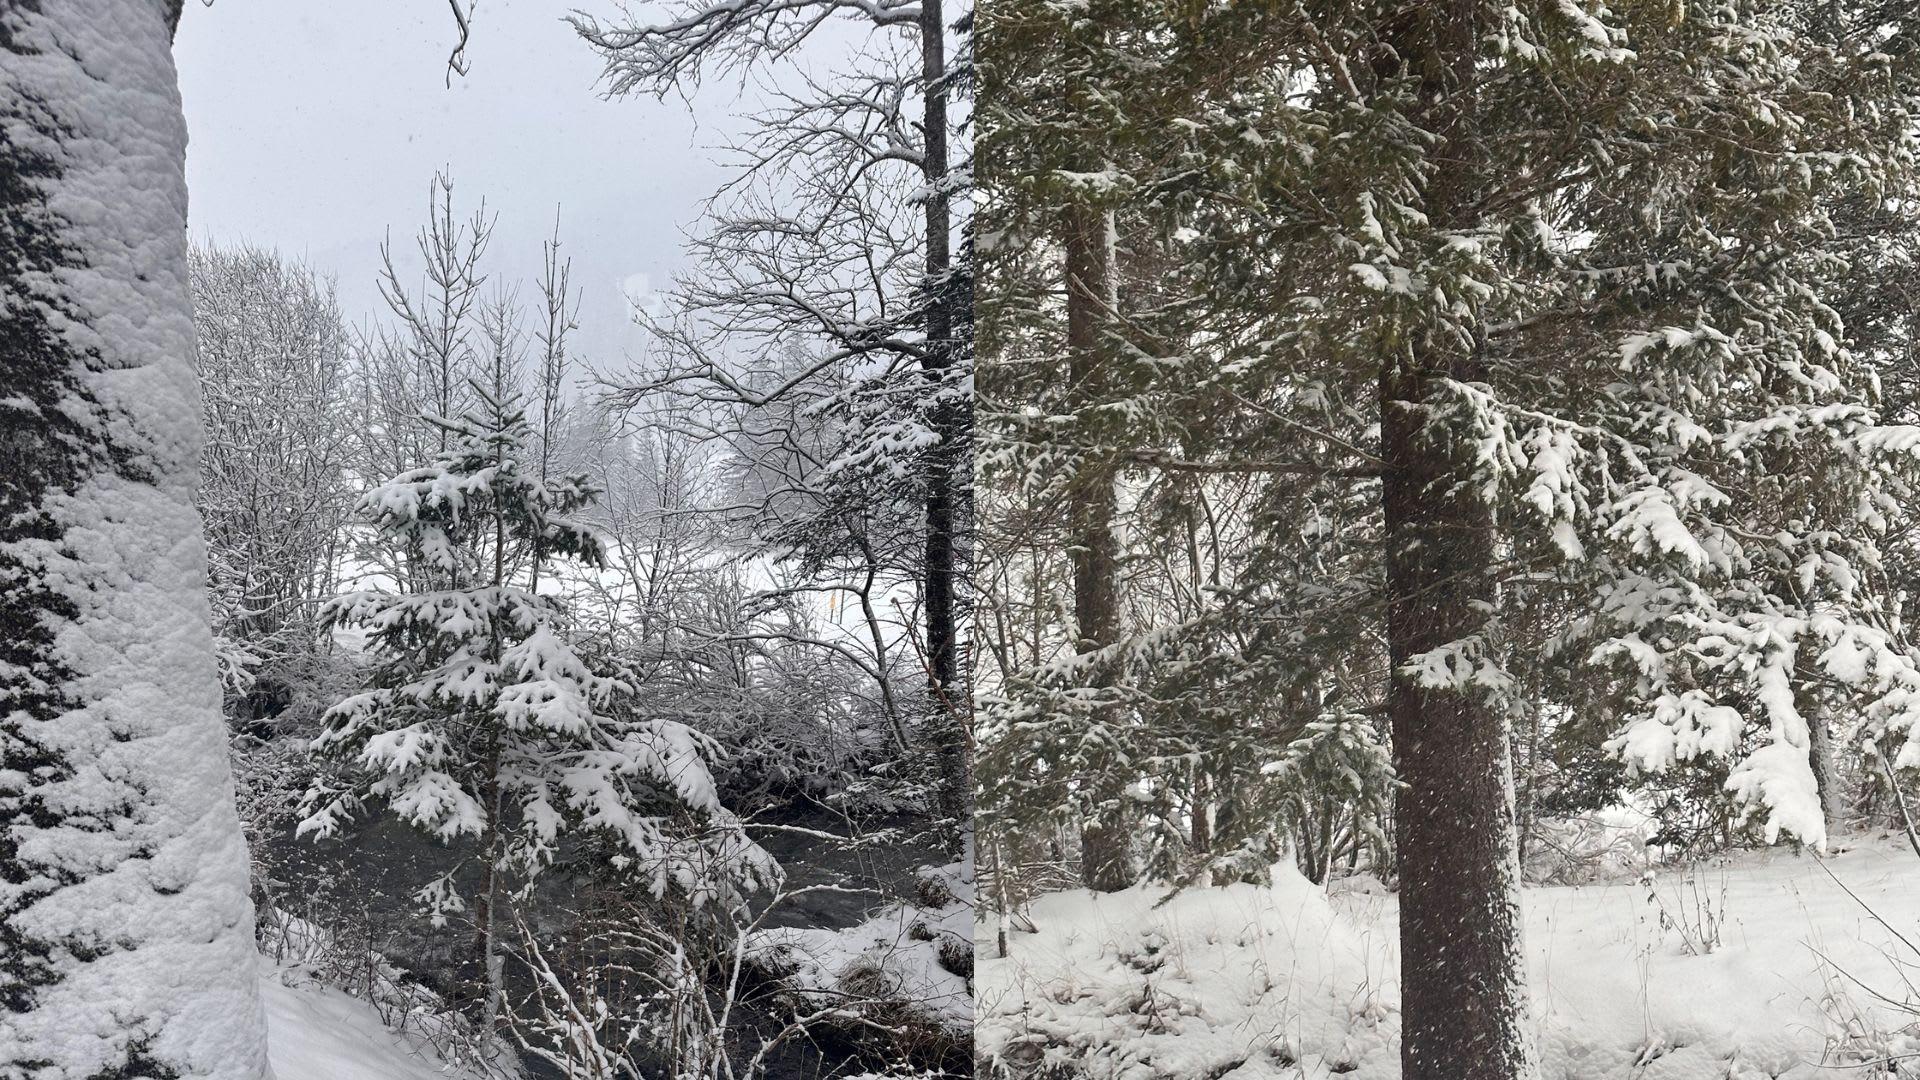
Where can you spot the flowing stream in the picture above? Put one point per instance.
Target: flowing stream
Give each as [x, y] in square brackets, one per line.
[370, 874]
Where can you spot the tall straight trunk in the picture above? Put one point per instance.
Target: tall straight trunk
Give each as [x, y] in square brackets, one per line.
[1092, 548]
[126, 930]
[1464, 1008]
[1463, 972]
[492, 962]
[952, 428]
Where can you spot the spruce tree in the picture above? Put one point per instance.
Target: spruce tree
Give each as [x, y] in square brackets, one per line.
[1525, 317]
[484, 724]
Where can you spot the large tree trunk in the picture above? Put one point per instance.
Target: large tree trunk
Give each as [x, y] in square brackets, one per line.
[952, 427]
[1463, 972]
[1092, 548]
[1464, 1008]
[126, 932]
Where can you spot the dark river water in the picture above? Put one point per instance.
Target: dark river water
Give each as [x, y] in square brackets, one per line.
[370, 874]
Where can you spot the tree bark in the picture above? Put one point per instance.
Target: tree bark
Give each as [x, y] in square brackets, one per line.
[950, 694]
[1826, 777]
[1200, 826]
[1092, 549]
[1463, 973]
[492, 961]
[126, 928]
[1464, 1008]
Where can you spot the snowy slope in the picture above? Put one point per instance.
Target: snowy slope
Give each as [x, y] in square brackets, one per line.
[1246, 982]
[318, 1033]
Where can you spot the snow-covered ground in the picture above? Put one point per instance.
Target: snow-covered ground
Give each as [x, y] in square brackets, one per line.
[904, 954]
[1740, 969]
[318, 1033]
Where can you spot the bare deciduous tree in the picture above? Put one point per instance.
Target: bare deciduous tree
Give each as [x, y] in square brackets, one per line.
[274, 385]
[834, 238]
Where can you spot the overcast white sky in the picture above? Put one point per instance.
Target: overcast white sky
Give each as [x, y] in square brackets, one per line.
[316, 126]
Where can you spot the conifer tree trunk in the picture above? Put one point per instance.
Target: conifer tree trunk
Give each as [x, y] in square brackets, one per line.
[1464, 1008]
[1091, 546]
[941, 569]
[1463, 986]
[1825, 773]
[1200, 828]
[492, 962]
[126, 930]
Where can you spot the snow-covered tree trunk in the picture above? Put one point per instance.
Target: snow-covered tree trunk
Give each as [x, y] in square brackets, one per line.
[126, 932]
[1463, 970]
[1092, 548]
[1826, 773]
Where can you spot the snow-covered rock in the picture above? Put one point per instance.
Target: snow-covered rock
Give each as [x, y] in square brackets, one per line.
[917, 956]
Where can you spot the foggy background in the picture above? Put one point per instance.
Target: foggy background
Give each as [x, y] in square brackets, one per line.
[316, 127]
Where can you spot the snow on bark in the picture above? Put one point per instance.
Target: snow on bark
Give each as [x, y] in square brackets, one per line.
[126, 933]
